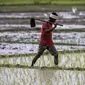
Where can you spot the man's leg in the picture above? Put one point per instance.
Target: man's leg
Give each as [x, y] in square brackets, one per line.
[54, 52]
[40, 52]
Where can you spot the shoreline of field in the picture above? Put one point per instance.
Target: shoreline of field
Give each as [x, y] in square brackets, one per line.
[39, 7]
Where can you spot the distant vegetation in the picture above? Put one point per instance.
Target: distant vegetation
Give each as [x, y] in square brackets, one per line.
[40, 5]
[9, 2]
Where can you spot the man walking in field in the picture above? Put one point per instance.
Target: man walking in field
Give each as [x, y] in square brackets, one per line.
[46, 41]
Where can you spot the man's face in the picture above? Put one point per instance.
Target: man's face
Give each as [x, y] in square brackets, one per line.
[52, 20]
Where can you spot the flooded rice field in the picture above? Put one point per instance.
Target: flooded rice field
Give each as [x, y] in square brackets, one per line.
[43, 76]
[14, 41]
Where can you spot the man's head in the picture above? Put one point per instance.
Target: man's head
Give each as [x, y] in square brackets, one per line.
[53, 17]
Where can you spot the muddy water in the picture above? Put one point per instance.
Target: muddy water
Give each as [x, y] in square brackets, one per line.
[15, 42]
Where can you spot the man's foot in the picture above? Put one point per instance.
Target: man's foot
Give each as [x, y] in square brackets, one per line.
[31, 65]
[57, 66]
[56, 62]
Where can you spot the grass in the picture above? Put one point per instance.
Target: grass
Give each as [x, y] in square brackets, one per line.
[20, 76]
[9, 2]
[42, 68]
[40, 5]
[34, 8]
[69, 61]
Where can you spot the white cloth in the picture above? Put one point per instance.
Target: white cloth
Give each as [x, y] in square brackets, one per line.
[54, 16]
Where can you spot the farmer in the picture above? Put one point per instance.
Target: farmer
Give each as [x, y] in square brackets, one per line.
[46, 41]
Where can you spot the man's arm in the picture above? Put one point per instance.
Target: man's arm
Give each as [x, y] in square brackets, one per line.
[51, 29]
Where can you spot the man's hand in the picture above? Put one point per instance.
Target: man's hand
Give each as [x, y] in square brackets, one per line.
[58, 24]
[54, 26]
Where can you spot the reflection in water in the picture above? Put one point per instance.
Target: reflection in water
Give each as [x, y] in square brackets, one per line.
[15, 76]
[46, 76]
